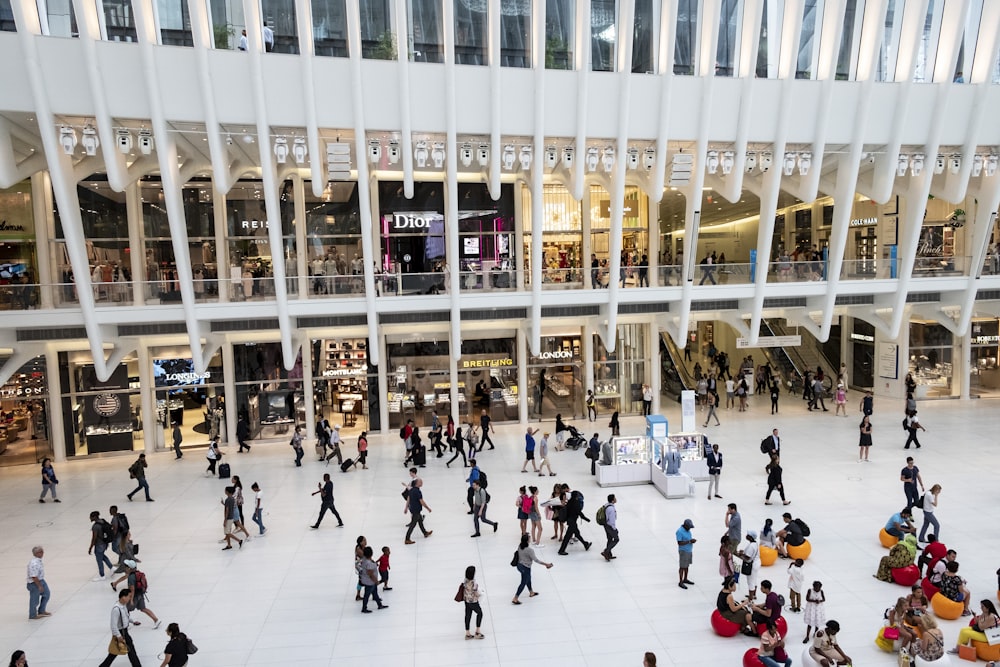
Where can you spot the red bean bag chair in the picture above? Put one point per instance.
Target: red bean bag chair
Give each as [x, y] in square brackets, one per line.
[906, 576]
[930, 590]
[723, 626]
[781, 624]
[750, 658]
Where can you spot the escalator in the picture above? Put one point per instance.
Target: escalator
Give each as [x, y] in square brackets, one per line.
[675, 377]
[807, 356]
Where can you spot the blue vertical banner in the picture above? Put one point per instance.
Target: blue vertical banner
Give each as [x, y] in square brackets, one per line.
[753, 265]
[826, 262]
[892, 261]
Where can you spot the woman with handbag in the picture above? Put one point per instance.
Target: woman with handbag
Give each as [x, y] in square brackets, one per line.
[178, 648]
[929, 647]
[523, 558]
[468, 592]
[731, 610]
[976, 630]
[750, 568]
[772, 647]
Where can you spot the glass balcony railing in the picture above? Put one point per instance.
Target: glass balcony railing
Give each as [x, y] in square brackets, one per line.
[796, 272]
[924, 267]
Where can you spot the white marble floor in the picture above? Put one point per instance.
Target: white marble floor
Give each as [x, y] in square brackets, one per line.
[288, 598]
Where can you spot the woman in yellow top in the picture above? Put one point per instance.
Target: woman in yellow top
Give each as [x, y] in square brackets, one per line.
[976, 631]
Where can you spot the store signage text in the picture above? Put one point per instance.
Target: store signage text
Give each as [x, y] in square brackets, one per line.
[338, 372]
[187, 378]
[487, 363]
[5, 227]
[407, 221]
[21, 391]
[556, 354]
[770, 341]
[863, 337]
[255, 224]
[864, 222]
[986, 340]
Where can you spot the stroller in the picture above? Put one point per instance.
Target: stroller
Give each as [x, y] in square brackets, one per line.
[575, 439]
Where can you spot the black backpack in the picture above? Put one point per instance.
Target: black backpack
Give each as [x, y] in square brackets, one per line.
[121, 522]
[483, 482]
[107, 536]
[802, 526]
[906, 426]
[766, 445]
[402, 432]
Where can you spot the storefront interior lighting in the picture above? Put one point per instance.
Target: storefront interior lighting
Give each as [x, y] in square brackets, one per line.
[805, 162]
[632, 159]
[124, 140]
[146, 141]
[592, 159]
[789, 165]
[991, 165]
[437, 154]
[765, 160]
[465, 154]
[483, 155]
[299, 150]
[977, 165]
[902, 164]
[281, 149]
[374, 151]
[955, 163]
[939, 164]
[393, 151]
[649, 159]
[712, 162]
[509, 157]
[567, 156]
[728, 157]
[421, 153]
[917, 163]
[90, 140]
[551, 157]
[67, 139]
[751, 162]
[608, 159]
[525, 158]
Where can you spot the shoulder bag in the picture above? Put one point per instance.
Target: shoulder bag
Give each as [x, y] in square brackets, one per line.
[992, 635]
[460, 595]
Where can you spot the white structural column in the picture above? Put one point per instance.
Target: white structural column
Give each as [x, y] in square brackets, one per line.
[269, 176]
[152, 429]
[405, 99]
[665, 67]
[307, 56]
[655, 371]
[537, 173]
[453, 254]
[233, 406]
[583, 66]
[522, 372]
[496, 94]
[57, 436]
[308, 402]
[626, 20]
[137, 257]
[787, 61]
[301, 259]
[41, 208]
[364, 185]
[221, 249]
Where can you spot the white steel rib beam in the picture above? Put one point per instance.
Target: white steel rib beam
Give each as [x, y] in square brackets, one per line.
[537, 175]
[13, 172]
[307, 51]
[583, 74]
[454, 276]
[496, 95]
[405, 98]
[665, 64]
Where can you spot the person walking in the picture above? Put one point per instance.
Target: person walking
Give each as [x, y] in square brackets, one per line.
[213, 455]
[38, 589]
[335, 445]
[865, 439]
[591, 403]
[238, 496]
[243, 433]
[573, 512]
[258, 507]
[18, 659]
[685, 552]
[49, 481]
[138, 585]
[177, 438]
[774, 481]
[543, 455]
[296, 444]
[120, 624]
[647, 400]
[714, 460]
[100, 538]
[910, 477]
[175, 654]
[525, 555]
[867, 403]
[369, 579]
[415, 505]
[929, 507]
[775, 392]
[713, 403]
[229, 517]
[469, 593]
[325, 489]
[480, 499]
[841, 400]
[529, 449]
[138, 472]
[535, 516]
[473, 476]
[912, 424]
[362, 450]
[594, 452]
[818, 393]
[486, 426]
[610, 527]
[456, 443]
[561, 430]
[615, 425]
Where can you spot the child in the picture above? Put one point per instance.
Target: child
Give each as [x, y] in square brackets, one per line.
[841, 397]
[815, 613]
[383, 569]
[795, 585]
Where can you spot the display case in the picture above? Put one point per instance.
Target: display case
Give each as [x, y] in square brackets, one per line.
[691, 447]
[630, 462]
[665, 468]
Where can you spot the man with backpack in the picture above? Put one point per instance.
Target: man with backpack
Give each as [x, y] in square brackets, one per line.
[119, 531]
[137, 471]
[138, 585]
[607, 516]
[474, 476]
[100, 537]
[794, 534]
[771, 443]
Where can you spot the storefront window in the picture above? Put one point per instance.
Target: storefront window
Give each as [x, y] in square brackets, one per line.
[18, 260]
[931, 359]
[635, 232]
[251, 272]
[378, 39]
[345, 386]
[983, 368]
[936, 250]
[24, 421]
[194, 401]
[603, 35]
[174, 22]
[486, 238]
[268, 397]
[119, 20]
[413, 239]
[488, 375]
[471, 24]
[279, 18]
[105, 226]
[100, 416]
[426, 40]
[863, 346]
[329, 28]
[556, 377]
[562, 237]
[620, 373]
[419, 382]
[333, 236]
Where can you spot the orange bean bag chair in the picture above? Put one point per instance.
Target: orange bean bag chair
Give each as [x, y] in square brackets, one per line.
[888, 541]
[768, 556]
[723, 626]
[906, 576]
[750, 658]
[986, 652]
[946, 608]
[781, 624]
[802, 551]
[930, 590]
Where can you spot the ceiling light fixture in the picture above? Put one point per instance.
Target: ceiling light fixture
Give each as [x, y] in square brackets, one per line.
[281, 149]
[123, 138]
[299, 150]
[712, 162]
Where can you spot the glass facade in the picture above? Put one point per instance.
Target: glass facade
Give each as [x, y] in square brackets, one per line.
[251, 257]
[280, 31]
[419, 381]
[195, 402]
[559, 33]
[7, 17]
[24, 415]
[930, 362]
[333, 238]
[686, 36]
[620, 373]
[329, 28]
[174, 22]
[268, 397]
[119, 21]
[562, 236]
[100, 416]
[345, 385]
[556, 376]
[18, 253]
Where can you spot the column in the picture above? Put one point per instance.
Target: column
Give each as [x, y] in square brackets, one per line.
[587, 342]
[961, 364]
[222, 263]
[655, 370]
[229, 384]
[518, 251]
[586, 248]
[523, 381]
[137, 256]
[377, 237]
[147, 396]
[54, 407]
[383, 383]
[302, 262]
[654, 246]
[307, 385]
[41, 209]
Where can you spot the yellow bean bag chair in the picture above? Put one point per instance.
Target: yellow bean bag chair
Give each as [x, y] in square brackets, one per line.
[986, 652]
[887, 645]
[768, 556]
[802, 551]
[888, 541]
[946, 608]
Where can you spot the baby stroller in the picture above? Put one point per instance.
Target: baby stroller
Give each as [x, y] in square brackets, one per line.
[575, 439]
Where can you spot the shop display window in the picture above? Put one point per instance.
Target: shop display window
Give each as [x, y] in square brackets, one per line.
[488, 373]
[343, 382]
[194, 401]
[100, 416]
[24, 423]
[983, 368]
[333, 237]
[556, 377]
[635, 233]
[930, 362]
[562, 237]
[19, 277]
[268, 397]
[620, 373]
[250, 273]
[419, 381]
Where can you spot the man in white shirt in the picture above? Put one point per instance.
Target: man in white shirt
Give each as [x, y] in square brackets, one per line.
[38, 590]
[335, 445]
[120, 623]
[268, 37]
[243, 41]
[647, 400]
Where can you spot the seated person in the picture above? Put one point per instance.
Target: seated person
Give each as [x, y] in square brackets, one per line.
[930, 646]
[953, 587]
[899, 524]
[770, 642]
[940, 566]
[916, 601]
[790, 535]
[771, 609]
[767, 535]
[733, 611]
[825, 649]
[932, 553]
[982, 622]
[901, 555]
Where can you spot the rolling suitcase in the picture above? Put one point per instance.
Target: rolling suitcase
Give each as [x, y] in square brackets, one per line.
[346, 464]
[420, 456]
[224, 472]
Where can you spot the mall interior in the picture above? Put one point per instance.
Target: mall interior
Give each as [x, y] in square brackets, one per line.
[287, 211]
